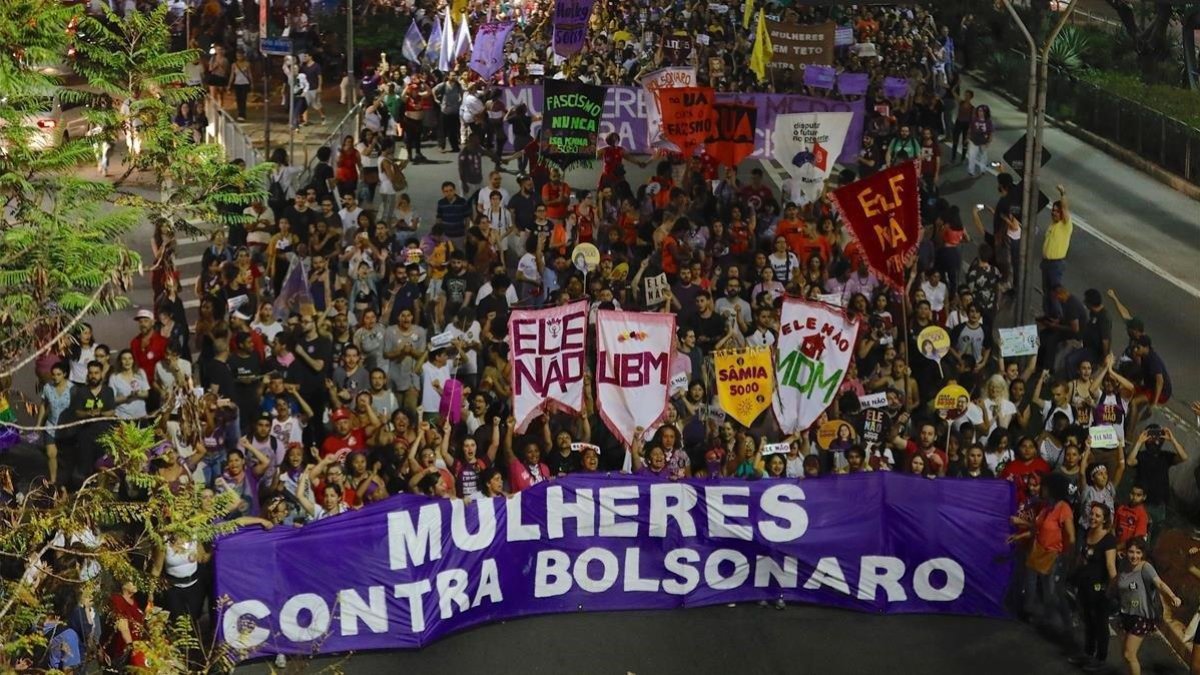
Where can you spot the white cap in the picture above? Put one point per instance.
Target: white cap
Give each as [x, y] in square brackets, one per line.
[144, 314]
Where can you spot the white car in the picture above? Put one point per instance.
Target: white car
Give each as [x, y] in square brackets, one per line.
[56, 122]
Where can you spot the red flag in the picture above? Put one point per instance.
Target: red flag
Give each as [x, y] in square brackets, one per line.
[820, 156]
[884, 213]
[733, 133]
[687, 115]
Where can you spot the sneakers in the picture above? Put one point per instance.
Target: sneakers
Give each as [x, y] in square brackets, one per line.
[779, 603]
[280, 661]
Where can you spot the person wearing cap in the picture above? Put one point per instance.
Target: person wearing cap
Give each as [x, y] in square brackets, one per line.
[239, 325]
[148, 346]
[344, 436]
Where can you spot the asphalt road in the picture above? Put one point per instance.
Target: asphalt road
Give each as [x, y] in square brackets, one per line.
[1136, 236]
[742, 639]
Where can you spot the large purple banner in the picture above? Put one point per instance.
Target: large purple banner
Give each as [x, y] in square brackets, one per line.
[625, 113]
[410, 570]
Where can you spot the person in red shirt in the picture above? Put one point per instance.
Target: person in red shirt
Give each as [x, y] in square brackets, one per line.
[345, 436]
[1026, 471]
[756, 193]
[556, 195]
[612, 159]
[741, 232]
[792, 228]
[1131, 519]
[148, 346]
[926, 446]
[673, 251]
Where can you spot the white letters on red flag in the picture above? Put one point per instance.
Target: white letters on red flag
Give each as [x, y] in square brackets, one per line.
[815, 345]
[633, 369]
[548, 352]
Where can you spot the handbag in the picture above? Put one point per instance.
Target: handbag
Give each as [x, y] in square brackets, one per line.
[1041, 559]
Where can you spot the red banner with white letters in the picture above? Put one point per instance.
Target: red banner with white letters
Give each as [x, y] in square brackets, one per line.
[633, 369]
[884, 214]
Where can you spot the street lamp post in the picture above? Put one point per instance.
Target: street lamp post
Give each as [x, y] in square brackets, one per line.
[1035, 123]
[350, 50]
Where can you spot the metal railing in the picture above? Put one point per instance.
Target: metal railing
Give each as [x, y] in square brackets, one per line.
[224, 130]
[1154, 136]
[349, 125]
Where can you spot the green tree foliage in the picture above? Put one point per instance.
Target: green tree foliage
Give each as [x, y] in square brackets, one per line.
[62, 238]
[64, 256]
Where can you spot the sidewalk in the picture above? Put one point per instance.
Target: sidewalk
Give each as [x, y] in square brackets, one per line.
[310, 136]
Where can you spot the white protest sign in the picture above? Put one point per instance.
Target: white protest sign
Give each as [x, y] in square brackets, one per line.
[537, 69]
[834, 299]
[808, 145]
[776, 449]
[702, 39]
[869, 401]
[580, 447]
[1104, 437]
[441, 340]
[679, 382]
[656, 289]
[1019, 341]
[712, 412]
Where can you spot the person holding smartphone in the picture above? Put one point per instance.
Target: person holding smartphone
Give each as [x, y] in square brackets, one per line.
[1153, 461]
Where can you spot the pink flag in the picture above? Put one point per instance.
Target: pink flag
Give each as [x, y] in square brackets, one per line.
[487, 54]
[450, 407]
[548, 351]
[633, 369]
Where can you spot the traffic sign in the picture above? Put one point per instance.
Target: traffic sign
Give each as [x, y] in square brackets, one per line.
[277, 46]
[1042, 200]
[1015, 156]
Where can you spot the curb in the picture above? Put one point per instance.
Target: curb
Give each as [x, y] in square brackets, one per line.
[1171, 180]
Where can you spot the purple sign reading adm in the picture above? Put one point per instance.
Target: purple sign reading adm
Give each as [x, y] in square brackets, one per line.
[410, 570]
[625, 113]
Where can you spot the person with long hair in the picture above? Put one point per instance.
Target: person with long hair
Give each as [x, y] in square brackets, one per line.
[1053, 533]
[1141, 590]
[127, 626]
[56, 398]
[1094, 576]
[130, 387]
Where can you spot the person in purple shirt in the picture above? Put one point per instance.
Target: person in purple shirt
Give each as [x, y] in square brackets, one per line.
[652, 462]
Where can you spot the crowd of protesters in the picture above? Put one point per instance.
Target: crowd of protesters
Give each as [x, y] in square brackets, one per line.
[309, 414]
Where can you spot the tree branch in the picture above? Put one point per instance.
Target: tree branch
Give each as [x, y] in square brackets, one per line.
[62, 333]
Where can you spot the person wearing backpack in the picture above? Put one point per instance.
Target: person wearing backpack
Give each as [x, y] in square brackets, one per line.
[61, 650]
[1141, 591]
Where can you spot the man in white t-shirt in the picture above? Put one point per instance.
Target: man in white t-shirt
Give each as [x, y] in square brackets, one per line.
[434, 374]
[266, 325]
[483, 202]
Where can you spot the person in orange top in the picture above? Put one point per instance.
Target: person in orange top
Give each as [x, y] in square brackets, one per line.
[673, 250]
[791, 227]
[556, 195]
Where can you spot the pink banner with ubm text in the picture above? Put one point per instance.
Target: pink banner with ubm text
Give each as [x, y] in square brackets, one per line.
[548, 349]
[633, 369]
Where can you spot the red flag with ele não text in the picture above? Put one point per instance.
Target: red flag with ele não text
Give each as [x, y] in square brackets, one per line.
[687, 115]
[884, 214]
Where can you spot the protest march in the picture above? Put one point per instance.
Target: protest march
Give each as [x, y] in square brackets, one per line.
[694, 319]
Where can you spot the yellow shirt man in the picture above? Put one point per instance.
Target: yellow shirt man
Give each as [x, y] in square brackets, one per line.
[1058, 237]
